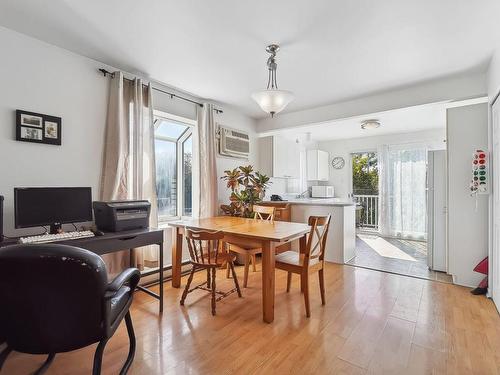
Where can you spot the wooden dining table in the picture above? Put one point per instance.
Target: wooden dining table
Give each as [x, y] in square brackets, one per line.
[241, 231]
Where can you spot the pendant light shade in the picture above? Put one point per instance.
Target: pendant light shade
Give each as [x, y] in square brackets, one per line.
[272, 100]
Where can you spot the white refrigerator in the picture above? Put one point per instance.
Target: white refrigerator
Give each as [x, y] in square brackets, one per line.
[436, 211]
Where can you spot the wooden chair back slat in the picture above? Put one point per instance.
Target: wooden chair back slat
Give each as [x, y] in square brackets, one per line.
[263, 212]
[316, 242]
[204, 246]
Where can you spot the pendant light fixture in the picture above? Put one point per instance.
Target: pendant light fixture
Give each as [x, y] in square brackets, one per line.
[272, 100]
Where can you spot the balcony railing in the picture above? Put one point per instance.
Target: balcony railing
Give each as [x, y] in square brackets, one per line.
[367, 217]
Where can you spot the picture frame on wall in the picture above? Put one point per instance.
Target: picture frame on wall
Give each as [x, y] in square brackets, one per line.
[38, 128]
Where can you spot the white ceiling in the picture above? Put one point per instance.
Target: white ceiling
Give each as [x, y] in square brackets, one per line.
[404, 120]
[331, 49]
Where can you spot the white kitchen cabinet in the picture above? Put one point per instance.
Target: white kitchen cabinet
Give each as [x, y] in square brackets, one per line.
[293, 159]
[279, 157]
[317, 165]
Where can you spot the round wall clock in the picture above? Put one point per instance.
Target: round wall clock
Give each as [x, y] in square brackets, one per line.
[338, 162]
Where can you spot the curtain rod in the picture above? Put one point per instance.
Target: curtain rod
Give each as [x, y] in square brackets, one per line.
[105, 73]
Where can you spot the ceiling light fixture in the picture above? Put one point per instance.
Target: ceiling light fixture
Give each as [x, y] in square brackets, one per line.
[272, 100]
[370, 124]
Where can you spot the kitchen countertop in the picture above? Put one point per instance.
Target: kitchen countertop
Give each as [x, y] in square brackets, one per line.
[318, 201]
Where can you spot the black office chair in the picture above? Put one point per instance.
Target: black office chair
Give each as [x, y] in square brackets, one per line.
[56, 298]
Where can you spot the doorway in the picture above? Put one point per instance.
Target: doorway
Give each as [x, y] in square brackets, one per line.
[390, 187]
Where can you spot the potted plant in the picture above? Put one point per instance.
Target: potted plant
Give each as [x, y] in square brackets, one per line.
[247, 188]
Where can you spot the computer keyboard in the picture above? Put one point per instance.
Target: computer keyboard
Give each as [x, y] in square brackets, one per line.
[45, 238]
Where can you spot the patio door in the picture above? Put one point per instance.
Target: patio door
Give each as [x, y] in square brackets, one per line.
[365, 182]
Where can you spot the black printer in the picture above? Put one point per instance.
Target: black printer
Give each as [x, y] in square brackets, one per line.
[117, 216]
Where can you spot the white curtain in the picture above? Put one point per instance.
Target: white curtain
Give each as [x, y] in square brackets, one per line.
[205, 178]
[128, 170]
[402, 190]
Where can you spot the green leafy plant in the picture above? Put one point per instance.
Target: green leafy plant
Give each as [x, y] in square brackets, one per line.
[247, 188]
[260, 182]
[232, 178]
[365, 173]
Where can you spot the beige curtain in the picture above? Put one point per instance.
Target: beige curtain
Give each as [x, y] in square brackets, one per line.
[206, 202]
[128, 170]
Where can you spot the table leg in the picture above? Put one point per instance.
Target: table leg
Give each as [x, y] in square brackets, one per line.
[268, 262]
[161, 276]
[176, 258]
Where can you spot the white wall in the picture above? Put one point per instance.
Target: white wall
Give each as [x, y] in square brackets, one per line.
[446, 89]
[467, 130]
[341, 179]
[284, 187]
[233, 119]
[42, 78]
[38, 77]
[494, 75]
[174, 106]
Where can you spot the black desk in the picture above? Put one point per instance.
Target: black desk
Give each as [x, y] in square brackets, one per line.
[112, 242]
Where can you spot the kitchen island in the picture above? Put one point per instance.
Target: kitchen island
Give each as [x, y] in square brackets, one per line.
[341, 241]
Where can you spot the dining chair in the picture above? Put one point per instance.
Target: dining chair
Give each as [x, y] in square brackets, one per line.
[57, 298]
[311, 260]
[250, 250]
[207, 252]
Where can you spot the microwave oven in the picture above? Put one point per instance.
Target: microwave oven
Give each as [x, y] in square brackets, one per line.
[322, 192]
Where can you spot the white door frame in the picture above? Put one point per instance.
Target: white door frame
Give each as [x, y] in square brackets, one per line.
[494, 254]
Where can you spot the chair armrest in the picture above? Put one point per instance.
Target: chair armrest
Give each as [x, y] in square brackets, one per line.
[130, 276]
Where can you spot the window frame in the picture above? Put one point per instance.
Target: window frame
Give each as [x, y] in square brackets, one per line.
[179, 149]
[180, 158]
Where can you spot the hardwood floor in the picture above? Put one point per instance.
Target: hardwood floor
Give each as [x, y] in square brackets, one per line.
[373, 323]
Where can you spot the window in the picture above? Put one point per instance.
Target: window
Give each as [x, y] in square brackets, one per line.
[174, 158]
[187, 173]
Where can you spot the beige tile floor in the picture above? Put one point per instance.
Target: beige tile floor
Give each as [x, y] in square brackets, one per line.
[404, 257]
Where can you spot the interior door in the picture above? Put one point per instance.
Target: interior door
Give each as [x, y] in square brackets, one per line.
[436, 211]
[495, 261]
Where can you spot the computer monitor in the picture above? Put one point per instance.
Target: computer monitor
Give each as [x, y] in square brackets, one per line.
[52, 206]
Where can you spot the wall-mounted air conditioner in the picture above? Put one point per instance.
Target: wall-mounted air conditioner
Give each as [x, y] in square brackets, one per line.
[235, 143]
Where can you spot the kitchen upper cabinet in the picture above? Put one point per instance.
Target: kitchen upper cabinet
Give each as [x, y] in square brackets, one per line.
[317, 165]
[279, 157]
